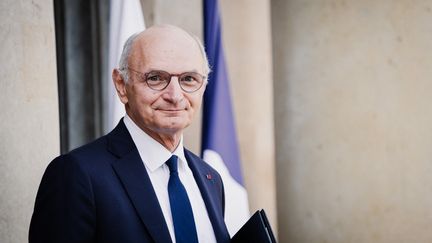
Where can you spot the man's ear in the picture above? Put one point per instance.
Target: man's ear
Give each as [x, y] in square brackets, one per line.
[120, 85]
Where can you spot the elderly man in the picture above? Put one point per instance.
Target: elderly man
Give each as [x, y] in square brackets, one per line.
[138, 183]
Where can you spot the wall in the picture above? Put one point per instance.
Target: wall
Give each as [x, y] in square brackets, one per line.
[353, 119]
[247, 40]
[29, 128]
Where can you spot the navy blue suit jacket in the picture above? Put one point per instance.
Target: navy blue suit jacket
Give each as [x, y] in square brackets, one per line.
[101, 192]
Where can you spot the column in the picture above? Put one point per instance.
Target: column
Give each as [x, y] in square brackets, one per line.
[29, 124]
[353, 120]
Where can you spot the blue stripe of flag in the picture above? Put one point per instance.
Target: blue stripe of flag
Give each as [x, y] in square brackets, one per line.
[219, 132]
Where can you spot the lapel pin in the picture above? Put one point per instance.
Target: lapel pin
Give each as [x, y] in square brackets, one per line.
[209, 177]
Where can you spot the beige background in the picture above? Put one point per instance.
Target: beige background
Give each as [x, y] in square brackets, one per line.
[353, 82]
[29, 123]
[247, 41]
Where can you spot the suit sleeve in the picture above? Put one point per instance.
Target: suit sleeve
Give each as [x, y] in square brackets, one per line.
[64, 208]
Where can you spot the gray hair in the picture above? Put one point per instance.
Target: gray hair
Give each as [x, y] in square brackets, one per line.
[124, 64]
[207, 68]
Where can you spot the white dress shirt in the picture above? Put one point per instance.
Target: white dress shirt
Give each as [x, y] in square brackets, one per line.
[154, 156]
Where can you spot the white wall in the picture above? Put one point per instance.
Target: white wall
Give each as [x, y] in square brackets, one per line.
[29, 128]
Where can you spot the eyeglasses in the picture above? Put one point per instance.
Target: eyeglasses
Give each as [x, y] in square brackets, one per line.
[158, 80]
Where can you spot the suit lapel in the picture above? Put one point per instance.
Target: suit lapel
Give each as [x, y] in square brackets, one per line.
[133, 175]
[205, 180]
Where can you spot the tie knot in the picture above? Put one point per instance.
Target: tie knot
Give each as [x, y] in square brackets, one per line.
[172, 163]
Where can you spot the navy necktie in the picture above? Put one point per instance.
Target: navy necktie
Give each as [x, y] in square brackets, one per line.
[181, 210]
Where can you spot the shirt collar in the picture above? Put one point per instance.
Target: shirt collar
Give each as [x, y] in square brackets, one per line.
[152, 153]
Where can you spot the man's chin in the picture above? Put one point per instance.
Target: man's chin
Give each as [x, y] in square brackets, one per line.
[172, 113]
[173, 127]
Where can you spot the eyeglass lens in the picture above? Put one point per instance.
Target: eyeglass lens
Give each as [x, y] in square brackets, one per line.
[159, 80]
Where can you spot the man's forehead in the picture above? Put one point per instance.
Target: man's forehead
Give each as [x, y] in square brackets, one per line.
[166, 34]
[160, 42]
[164, 30]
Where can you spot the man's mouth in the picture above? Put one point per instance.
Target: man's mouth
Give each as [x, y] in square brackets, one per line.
[170, 110]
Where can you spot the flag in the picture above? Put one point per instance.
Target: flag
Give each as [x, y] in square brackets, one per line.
[219, 141]
[126, 19]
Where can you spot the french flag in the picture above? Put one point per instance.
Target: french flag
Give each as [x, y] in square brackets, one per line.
[126, 18]
[219, 141]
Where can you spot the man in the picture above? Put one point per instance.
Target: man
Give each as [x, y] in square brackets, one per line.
[138, 183]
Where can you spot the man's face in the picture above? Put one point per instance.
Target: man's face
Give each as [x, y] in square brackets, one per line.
[169, 111]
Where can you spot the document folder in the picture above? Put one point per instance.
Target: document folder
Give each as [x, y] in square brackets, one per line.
[256, 230]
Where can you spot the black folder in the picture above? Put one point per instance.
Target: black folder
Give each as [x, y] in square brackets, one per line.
[256, 230]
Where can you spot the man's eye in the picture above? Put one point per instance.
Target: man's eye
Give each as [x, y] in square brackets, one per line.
[154, 78]
[188, 79]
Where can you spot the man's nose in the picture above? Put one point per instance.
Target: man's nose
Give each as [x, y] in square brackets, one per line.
[173, 91]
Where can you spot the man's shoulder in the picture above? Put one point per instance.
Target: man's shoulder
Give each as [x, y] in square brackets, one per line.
[115, 143]
[195, 158]
[90, 153]
[92, 149]
[200, 163]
